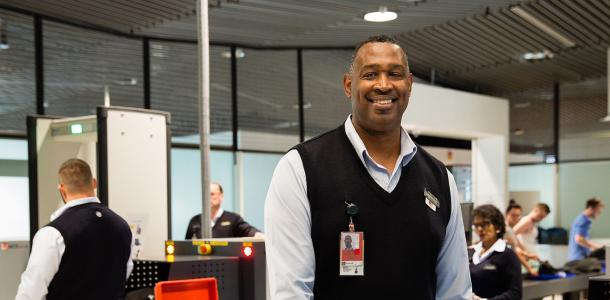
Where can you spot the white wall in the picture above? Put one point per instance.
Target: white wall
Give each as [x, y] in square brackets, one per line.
[489, 171]
[449, 113]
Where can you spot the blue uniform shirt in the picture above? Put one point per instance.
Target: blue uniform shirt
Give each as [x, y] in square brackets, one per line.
[580, 226]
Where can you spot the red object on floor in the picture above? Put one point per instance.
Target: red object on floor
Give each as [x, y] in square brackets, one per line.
[199, 289]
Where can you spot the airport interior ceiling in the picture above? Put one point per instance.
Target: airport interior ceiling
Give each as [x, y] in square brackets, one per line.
[512, 49]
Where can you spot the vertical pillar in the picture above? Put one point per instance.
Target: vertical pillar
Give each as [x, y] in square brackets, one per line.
[204, 113]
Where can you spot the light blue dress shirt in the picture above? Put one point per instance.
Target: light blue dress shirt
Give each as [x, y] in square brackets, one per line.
[290, 255]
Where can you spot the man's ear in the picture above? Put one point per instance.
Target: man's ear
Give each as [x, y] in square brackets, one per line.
[410, 83]
[347, 85]
[94, 183]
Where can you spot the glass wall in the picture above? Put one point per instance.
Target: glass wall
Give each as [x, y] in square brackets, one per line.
[17, 72]
[186, 185]
[174, 88]
[257, 172]
[325, 103]
[579, 182]
[582, 135]
[267, 89]
[535, 179]
[532, 126]
[14, 192]
[80, 63]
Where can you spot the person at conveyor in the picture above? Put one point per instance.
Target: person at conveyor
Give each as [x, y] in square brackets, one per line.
[513, 215]
[579, 245]
[527, 228]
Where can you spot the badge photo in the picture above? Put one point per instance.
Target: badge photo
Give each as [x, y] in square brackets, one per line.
[351, 255]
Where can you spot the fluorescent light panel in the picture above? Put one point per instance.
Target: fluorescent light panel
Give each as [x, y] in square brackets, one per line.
[542, 26]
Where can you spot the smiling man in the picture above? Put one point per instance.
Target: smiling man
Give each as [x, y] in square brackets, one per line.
[368, 179]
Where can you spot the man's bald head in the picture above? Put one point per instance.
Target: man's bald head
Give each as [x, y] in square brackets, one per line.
[377, 39]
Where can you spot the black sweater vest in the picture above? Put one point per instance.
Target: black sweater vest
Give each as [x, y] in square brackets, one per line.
[94, 264]
[402, 235]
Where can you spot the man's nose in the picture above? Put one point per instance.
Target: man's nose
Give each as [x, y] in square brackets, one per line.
[383, 84]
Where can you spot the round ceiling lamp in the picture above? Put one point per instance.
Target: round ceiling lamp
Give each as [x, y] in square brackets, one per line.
[382, 15]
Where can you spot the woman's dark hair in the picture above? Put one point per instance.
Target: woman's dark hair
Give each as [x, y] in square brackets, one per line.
[494, 215]
[512, 204]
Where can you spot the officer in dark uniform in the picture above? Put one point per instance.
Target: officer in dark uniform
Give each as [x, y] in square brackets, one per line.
[225, 224]
[85, 252]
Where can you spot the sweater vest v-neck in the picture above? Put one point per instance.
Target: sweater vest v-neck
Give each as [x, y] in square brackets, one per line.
[94, 263]
[402, 234]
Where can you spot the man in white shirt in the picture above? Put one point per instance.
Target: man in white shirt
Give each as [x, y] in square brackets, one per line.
[85, 252]
[527, 228]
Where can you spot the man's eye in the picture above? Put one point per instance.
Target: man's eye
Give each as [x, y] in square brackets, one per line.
[368, 75]
[396, 74]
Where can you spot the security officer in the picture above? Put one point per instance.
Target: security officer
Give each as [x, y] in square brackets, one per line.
[368, 179]
[85, 252]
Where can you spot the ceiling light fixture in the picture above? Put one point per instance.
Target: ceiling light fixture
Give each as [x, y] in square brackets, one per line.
[382, 15]
[3, 36]
[538, 55]
[523, 105]
[306, 105]
[127, 81]
[542, 26]
[239, 53]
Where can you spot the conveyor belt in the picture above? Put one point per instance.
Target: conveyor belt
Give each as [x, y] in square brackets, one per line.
[539, 289]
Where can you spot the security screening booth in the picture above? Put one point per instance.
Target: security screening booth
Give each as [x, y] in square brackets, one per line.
[128, 150]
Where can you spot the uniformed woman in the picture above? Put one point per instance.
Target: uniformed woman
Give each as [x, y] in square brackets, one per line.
[494, 268]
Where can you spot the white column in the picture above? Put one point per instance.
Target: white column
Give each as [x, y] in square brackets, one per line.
[489, 171]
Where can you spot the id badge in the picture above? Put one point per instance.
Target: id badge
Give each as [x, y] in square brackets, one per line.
[351, 255]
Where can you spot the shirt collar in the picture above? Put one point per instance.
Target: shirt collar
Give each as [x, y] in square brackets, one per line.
[407, 146]
[217, 216]
[73, 203]
[498, 246]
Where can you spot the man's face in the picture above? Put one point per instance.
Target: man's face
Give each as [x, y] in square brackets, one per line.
[378, 87]
[513, 216]
[215, 196]
[348, 242]
[539, 215]
[598, 210]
